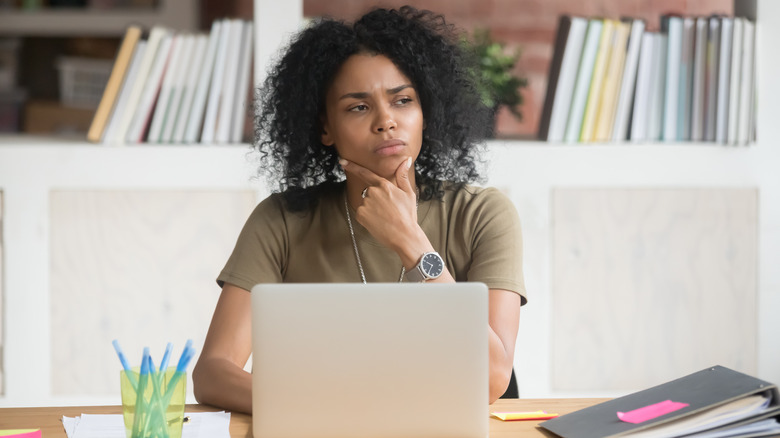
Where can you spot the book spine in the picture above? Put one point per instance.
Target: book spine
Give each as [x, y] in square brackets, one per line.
[628, 84]
[559, 48]
[582, 86]
[671, 98]
[724, 80]
[698, 100]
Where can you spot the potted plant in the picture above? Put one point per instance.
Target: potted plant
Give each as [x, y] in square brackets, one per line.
[498, 84]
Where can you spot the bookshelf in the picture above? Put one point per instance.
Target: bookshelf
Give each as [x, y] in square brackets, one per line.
[178, 14]
[528, 171]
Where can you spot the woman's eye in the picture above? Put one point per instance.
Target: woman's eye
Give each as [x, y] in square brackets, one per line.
[358, 108]
[404, 100]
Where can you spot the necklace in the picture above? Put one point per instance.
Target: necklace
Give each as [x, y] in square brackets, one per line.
[354, 242]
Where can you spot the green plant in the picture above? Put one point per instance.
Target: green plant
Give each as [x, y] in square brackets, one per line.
[497, 83]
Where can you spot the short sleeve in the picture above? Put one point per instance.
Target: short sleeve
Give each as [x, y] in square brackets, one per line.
[261, 249]
[496, 242]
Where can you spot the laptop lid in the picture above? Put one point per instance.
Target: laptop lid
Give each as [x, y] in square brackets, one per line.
[379, 360]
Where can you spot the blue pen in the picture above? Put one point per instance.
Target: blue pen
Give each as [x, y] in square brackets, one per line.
[166, 357]
[128, 371]
[140, 410]
[184, 360]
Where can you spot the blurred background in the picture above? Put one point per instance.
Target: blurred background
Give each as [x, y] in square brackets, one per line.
[524, 27]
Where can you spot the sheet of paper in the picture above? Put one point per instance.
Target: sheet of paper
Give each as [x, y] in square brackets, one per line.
[201, 425]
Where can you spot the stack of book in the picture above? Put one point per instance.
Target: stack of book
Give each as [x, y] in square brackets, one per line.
[180, 88]
[612, 80]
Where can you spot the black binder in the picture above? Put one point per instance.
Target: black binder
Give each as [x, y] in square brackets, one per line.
[702, 390]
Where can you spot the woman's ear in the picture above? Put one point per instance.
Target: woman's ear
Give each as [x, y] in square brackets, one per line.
[325, 137]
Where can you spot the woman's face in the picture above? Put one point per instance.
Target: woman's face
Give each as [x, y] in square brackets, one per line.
[373, 115]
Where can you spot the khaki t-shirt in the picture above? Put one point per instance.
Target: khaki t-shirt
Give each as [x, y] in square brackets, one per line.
[475, 230]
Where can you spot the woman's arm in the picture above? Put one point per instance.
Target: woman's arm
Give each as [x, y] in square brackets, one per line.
[504, 320]
[219, 378]
[390, 216]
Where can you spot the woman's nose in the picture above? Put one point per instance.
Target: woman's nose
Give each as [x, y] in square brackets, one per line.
[384, 122]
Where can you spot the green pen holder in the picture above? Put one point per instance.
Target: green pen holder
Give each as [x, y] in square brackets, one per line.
[153, 415]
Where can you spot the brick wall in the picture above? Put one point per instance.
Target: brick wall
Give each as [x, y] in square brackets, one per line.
[527, 24]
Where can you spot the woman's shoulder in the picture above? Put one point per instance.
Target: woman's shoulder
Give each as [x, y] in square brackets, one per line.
[468, 194]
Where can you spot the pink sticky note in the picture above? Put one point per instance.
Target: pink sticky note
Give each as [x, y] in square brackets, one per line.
[651, 411]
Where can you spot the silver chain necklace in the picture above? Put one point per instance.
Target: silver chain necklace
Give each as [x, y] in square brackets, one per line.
[354, 242]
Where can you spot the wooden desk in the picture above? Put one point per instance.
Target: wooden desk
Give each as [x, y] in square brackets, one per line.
[49, 419]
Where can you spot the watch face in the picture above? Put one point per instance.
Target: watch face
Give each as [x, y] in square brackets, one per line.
[433, 265]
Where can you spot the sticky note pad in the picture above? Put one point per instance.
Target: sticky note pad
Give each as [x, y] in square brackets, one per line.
[651, 411]
[20, 433]
[521, 416]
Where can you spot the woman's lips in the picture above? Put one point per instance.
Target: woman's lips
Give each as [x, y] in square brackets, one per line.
[390, 147]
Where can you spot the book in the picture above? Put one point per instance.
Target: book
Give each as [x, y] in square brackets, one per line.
[109, 134]
[115, 79]
[736, 80]
[640, 116]
[582, 84]
[188, 92]
[605, 114]
[698, 96]
[748, 81]
[724, 80]
[561, 77]
[197, 111]
[685, 91]
[128, 112]
[655, 122]
[216, 86]
[672, 27]
[142, 116]
[713, 67]
[242, 85]
[628, 84]
[588, 131]
[224, 121]
[178, 86]
[162, 107]
[711, 400]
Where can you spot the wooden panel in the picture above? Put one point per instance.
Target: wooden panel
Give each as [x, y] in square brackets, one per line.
[649, 285]
[138, 266]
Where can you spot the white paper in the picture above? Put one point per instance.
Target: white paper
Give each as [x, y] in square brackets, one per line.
[200, 425]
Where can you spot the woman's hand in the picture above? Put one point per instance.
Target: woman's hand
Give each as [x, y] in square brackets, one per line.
[389, 210]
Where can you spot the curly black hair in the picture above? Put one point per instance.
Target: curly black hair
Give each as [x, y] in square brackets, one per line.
[424, 47]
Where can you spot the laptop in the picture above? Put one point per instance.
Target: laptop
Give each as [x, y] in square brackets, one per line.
[370, 360]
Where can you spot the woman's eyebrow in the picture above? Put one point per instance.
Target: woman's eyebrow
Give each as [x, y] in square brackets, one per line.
[363, 94]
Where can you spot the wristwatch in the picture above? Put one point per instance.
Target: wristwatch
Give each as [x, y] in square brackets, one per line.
[430, 267]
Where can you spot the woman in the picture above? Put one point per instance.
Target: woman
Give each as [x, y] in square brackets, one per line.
[387, 103]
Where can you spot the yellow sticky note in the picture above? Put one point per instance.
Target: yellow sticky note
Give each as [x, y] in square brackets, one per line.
[519, 416]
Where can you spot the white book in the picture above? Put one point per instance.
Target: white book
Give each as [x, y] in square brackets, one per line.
[188, 92]
[699, 80]
[242, 88]
[163, 101]
[215, 90]
[748, 81]
[628, 84]
[566, 79]
[671, 98]
[143, 112]
[686, 80]
[109, 135]
[724, 80]
[177, 89]
[713, 67]
[228, 95]
[736, 80]
[655, 122]
[155, 36]
[582, 85]
[640, 116]
[199, 99]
